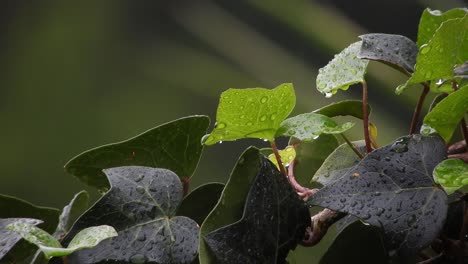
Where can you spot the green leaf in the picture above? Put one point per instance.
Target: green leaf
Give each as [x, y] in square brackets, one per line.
[461, 71]
[199, 203]
[432, 19]
[51, 247]
[339, 162]
[273, 222]
[392, 188]
[8, 239]
[395, 50]
[344, 108]
[231, 204]
[310, 156]
[446, 115]
[141, 205]
[251, 113]
[174, 146]
[287, 155]
[71, 212]
[309, 126]
[452, 174]
[446, 49]
[344, 70]
[345, 249]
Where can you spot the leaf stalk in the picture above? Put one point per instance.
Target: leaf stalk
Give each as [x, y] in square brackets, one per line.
[365, 117]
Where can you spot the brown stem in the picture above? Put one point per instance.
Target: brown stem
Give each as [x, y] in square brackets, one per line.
[365, 117]
[278, 157]
[186, 185]
[320, 224]
[351, 145]
[417, 110]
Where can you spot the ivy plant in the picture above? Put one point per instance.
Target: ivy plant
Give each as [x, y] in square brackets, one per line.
[403, 202]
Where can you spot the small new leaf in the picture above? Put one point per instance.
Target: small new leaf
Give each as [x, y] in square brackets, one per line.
[309, 126]
[8, 239]
[251, 113]
[287, 155]
[452, 174]
[344, 70]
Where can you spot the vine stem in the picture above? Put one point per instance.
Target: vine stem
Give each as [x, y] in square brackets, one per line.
[417, 110]
[278, 157]
[351, 145]
[365, 117]
[464, 130]
[302, 191]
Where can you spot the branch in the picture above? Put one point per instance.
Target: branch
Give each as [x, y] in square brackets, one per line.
[351, 145]
[278, 157]
[320, 224]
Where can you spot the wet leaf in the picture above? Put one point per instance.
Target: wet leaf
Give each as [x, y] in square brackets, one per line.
[309, 126]
[461, 71]
[343, 108]
[452, 174]
[8, 239]
[340, 161]
[287, 155]
[437, 59]
[51, 247]
[251, 113]
[273, 222]
[71, 212]
[396, 50]
[199, 203]
[174, 146]
[446, 115]
[344, 70]
[392, 188]
[230, 206]
[141, 205]
[432, 19]
[357, 243]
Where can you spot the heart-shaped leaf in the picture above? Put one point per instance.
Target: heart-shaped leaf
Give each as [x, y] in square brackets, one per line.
[396, 50]
[309, 126]
[199, 203]
[251, 113]
[141, 205]
[287, 155]
[174, 146]
[71, 212]
[392, 188]
[452, 174]
[432, 19]
[446, 115]
[8, 239]
[344, 70]
[344, 108]
[341, 160]
[273, 222]
[51, 247]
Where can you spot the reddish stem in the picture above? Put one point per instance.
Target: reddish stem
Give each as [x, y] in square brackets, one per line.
[186, 185]
[417, 110]
[278, 157]
[365, 117]
[302, 191]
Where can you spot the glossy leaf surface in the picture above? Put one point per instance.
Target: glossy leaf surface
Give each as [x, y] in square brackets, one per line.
[344, 70]
[452, 174]
[174, 146]
[392, 188]
[343, 108]
[432, 19]
[251, 113]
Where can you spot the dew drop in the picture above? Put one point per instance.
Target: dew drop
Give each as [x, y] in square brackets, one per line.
[291, 132]
[137, 259]
[221, 125]
[328, 95]
[140, 189]
[139, 178]
[263, 118]
[273, 117]
[249, 123]
[427, 130]
[242, 117]
[204, 138]
[425, 49]
[264, 99]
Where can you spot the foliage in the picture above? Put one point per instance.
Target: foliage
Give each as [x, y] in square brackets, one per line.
[397, 195]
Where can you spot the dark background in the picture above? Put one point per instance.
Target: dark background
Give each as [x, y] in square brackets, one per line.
[78, 74]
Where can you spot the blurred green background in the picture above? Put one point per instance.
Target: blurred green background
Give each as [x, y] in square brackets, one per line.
[79, 74]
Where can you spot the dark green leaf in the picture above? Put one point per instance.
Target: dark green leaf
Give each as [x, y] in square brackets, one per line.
[357, 243]
[344, 70]
[8, 239]
[309, 126]
[231, 204]
[431, 21]
[340, 161]
[452, 174]
[273, 222]
[141, 205]
[392, 188]
[251, 113]
[310, 156]
[396, 50]
[199, 203]
[446, 115]
[174, 146]
[343, 108]
[71, 212]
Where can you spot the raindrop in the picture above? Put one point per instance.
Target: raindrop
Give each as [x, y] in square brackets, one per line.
[328, 95]
[263, 118]
[291, 132]
[140, 189]
[249, 123]
[204, 138]
[139, 178]
[242, 116]
[137, 259]
[264, 100]
[141, 237]
[221, 125]
[425, 49]
[427, 130]
[273, 117]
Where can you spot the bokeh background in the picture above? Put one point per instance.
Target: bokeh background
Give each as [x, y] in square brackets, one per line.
[78, 74]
